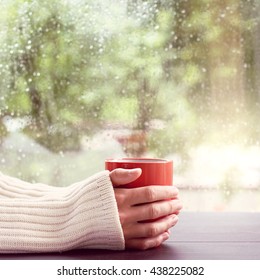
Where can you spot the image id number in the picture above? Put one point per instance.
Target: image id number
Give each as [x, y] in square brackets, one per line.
[177, 270]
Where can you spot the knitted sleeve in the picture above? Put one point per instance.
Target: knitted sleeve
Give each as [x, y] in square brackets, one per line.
[42, 218]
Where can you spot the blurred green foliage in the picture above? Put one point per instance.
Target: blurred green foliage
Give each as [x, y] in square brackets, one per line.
[75, 68]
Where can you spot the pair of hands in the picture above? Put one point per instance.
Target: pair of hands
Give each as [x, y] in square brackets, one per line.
[142, 204]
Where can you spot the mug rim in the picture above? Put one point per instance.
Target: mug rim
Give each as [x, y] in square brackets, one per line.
[138, 160]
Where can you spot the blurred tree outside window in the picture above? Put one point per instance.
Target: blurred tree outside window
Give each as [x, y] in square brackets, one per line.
[86, 80]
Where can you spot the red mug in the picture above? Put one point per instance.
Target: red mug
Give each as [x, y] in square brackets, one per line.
[154, 171]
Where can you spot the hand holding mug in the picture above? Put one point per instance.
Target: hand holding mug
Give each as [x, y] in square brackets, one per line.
[136, 205]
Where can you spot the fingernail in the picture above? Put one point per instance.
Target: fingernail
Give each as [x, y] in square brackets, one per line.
[174, 218]
[180, 205]
[132, 171]
[166, 235]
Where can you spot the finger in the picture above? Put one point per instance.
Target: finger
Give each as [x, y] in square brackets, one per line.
[154, 210]
[151, 194]
[122, 176]
[151, 229]
[146, 243]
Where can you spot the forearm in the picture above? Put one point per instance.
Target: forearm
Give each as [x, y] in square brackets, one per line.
[83, 215]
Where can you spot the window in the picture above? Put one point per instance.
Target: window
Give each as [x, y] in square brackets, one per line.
[81, 81]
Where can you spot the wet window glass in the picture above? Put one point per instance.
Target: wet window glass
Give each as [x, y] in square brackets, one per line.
[86, 80]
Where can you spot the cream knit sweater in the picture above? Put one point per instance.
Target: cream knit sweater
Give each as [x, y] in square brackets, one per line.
[42, 218]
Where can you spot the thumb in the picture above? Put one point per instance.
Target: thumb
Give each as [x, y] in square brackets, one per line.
[122, 176]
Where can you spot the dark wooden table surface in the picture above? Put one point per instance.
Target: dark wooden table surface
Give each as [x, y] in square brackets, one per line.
[197, 236]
